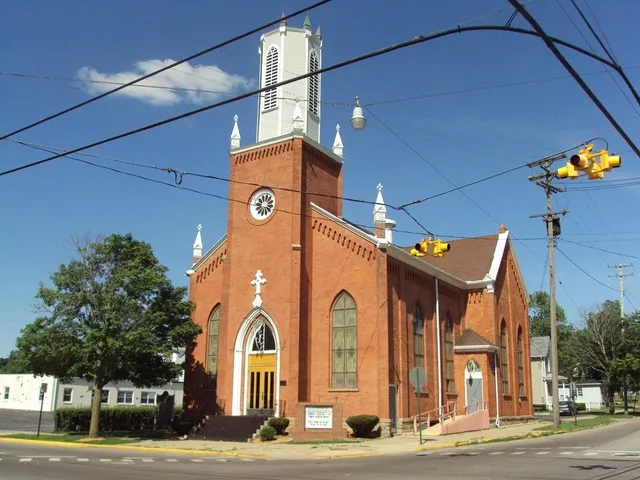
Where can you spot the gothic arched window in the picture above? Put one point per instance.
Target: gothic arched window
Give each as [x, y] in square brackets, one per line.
[314, 84]
[448, 355]
[504, 358]
[270, 99]
[263, 340]
[521, 390]
[418, 337]
[212, 350]
[344, 342]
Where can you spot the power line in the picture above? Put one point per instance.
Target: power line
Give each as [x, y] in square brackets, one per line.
[335, 66]
[163, 69]
[585, 272]
[600, 249]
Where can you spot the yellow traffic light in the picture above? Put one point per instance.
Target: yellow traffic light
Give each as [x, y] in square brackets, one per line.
[607, 162]
[419, 249]
[584, 161]
[568, 171]
[422, 248]
[440, 247]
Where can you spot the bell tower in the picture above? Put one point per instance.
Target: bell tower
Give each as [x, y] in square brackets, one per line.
[285, 53]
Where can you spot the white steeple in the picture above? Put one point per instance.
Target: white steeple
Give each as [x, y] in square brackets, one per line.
[288, 52]
[337, 143]
[235, 133]
[379, 209]
[197, 245]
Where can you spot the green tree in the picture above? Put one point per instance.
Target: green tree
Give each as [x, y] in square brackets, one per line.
[540, 326]
[111, 315]
[14, 363]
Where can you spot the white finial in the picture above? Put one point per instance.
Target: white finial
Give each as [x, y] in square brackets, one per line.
[379, 209]
[298, 120]
[235, 133]
[197, 245]
[257, 282]
[338, 147]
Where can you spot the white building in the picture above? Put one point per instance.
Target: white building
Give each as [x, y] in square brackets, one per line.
[22, 392]
[587, 392]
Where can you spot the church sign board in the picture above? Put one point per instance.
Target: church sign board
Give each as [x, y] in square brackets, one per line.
[316, 416]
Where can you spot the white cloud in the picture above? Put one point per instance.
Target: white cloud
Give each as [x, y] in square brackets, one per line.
[196, 84]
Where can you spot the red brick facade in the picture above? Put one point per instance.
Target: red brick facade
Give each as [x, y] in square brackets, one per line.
[310, 257]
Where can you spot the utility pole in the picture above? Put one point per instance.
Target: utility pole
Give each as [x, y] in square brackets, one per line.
[552, 221]
[621, 276]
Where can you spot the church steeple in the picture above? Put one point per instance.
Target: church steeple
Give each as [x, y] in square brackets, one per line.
[288, 52]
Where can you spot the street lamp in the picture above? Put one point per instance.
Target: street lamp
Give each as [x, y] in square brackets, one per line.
[358, 120]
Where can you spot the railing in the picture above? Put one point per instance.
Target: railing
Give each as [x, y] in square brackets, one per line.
[438, 412]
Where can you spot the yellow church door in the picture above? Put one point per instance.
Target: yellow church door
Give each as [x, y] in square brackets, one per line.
[261, 379]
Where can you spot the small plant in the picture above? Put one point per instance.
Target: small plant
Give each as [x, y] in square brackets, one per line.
[581, 407]
[362, 425]
[267, 433]
[279, 424]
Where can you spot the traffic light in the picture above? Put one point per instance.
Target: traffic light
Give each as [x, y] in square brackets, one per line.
[422, 248]
[584, 161]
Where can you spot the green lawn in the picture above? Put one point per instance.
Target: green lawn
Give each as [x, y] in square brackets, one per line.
[569, 424]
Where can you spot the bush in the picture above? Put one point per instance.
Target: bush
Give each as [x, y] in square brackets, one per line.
[267, 433]
[111, 419]
[581, 407]
[279, 424]
[362, 425]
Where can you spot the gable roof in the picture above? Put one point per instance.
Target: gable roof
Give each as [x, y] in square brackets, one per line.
[471, 341]
[468, 258]
[539, 346]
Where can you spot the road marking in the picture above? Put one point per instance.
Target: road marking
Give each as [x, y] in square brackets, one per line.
[25, 459]
[542, 453]
[496, 453]
[567, 453]
[54, 459]
[197, 460]
[171, 460]
[105, 459]
[518, 453]
[591, 453]
[222, 459]
[247, 459]
[83, 459]
[147, 460]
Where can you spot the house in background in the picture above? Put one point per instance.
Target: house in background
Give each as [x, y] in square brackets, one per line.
[588, 392]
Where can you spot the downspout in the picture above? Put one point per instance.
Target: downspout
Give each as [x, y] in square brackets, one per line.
[495, 374]
[439, 352]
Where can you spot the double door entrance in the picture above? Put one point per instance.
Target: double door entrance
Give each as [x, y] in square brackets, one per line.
[261, 387]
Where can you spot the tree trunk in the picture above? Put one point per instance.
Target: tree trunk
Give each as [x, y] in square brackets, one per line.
[94, 428]
[625, 385]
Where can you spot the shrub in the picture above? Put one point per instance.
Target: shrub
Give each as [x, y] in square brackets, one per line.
[279, 424]
[111, 419]
[362, 425]
[581, 407]
[267, 433]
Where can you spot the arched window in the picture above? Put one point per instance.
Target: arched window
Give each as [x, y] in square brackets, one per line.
[504, 358]
[521, 391]
[314, 84]
[212, 351]
[270, 99]
[344, 345]
[418, 337]
[263, 340]
[448, 355]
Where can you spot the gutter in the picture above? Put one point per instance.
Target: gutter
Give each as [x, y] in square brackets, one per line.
[495, 374]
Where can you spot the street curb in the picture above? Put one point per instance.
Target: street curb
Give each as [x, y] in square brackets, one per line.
[219, 453]
[436, 446]
[346, 455]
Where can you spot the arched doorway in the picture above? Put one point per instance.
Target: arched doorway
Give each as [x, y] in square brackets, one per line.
[260, 379]
[473, 386]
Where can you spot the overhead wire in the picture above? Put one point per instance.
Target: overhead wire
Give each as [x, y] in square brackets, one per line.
[584, 271]
[167, 67]
[344, 63]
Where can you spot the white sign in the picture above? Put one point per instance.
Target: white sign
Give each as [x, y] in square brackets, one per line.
[318, 417]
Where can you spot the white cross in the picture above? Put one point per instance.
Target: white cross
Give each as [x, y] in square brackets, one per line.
[257, 282]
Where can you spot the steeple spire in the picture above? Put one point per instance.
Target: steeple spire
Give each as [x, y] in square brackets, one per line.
[338, 147]
[235, 133]
[307, 23]
[197, 245]
[298, 120]
[379, 209]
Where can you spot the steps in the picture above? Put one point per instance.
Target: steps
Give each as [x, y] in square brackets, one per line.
[241, 428]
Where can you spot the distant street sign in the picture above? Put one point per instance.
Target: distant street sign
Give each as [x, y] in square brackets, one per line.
[418, 378]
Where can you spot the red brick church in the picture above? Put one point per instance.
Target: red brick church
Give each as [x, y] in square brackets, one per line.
[302, 308]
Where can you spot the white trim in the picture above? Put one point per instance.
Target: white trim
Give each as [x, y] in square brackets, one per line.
[515, 260]
[495, 377]
[209, 253]
[498, 254]
[475, 348]
[356, 231]
[283, 138]
[240, 357]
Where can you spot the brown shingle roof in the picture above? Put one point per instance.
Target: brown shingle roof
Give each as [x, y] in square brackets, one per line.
[468, 258]
[471, 338]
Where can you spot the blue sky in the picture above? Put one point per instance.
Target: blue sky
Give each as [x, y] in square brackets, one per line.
[465, 135]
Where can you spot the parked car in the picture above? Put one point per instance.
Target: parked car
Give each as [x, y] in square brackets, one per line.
[567, 407]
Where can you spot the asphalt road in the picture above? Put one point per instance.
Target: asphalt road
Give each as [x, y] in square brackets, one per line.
[607, 453]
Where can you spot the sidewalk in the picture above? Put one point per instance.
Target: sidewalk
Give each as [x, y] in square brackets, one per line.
[385, 446]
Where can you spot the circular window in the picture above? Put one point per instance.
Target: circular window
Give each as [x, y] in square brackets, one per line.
[262, 204]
